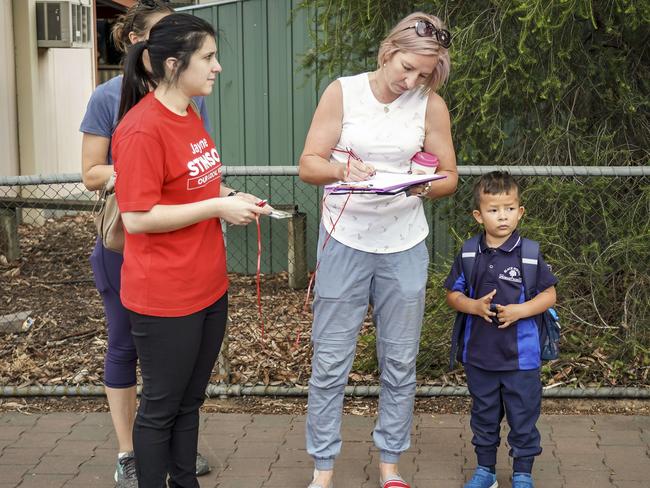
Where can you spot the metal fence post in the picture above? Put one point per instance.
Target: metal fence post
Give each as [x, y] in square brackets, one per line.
[9, 233]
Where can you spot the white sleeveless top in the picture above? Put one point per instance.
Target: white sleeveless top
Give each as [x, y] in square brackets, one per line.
[386, 136]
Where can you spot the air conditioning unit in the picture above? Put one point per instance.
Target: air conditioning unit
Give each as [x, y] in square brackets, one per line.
[64, 23]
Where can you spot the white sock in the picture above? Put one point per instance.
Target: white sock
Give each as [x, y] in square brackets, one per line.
[120, 455]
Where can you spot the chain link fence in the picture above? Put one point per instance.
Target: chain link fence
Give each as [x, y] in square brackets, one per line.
[593, 224]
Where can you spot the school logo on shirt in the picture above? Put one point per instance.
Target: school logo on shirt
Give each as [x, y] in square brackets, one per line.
[511, 274]
[205, 167]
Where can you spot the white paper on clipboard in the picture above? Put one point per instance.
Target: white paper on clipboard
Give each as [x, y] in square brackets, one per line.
[383, 183]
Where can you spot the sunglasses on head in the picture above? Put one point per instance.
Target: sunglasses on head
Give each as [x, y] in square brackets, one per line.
[424, 28]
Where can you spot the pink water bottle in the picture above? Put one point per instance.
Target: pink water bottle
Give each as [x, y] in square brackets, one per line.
[423, 162]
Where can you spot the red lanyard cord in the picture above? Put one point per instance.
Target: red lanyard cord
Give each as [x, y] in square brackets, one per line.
[258, 274]
[351, 155]
[329, 235]
[313, 276]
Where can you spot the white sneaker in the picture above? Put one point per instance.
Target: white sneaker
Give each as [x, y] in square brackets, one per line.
[314, 485]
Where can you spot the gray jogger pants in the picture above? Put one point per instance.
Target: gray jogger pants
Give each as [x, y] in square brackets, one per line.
[346, 282]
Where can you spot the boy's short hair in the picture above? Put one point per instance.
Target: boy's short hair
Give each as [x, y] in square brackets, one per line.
[494, 183]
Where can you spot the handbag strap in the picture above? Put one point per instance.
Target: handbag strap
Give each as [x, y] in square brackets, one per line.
[109, 187]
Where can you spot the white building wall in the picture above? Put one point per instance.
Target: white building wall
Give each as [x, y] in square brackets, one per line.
[8, 118]
[53, 86]
[66, 83]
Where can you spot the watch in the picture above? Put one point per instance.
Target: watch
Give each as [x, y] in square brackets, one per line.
[232, 193]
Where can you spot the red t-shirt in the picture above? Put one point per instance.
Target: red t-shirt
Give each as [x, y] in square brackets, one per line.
[164, 158]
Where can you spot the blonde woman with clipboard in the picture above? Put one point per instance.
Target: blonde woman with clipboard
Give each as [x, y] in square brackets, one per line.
[376, 254]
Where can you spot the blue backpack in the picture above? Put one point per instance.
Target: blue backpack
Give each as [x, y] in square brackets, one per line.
[548, 321]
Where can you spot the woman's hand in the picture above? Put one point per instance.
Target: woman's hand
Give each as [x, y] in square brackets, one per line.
[358, 171]
[241, 209]
[419, 190]
[247, 197]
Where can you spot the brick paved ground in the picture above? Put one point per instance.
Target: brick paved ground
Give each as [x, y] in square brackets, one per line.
[253, 451]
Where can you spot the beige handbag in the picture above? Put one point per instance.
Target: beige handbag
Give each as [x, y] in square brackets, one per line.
[108, 220]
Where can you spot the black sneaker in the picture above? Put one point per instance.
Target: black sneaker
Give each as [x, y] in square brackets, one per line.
[202, 466]
[125, 476]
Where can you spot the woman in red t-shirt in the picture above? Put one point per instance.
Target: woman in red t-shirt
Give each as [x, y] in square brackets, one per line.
[174, 280]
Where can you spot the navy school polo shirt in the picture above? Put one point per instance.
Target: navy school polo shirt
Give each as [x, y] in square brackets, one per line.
[484, 345]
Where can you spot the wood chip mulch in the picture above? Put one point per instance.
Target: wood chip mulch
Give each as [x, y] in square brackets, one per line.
[67, 341]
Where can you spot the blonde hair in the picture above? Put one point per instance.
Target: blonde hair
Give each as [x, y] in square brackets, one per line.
[403, 39]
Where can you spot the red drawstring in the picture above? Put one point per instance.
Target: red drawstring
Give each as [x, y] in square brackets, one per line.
[329, 235]
[351, 154]
[259, 271]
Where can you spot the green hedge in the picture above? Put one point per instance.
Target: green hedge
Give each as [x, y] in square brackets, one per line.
[538, 82]
[532, 81]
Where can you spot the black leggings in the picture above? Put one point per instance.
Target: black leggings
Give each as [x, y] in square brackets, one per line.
[176, 356]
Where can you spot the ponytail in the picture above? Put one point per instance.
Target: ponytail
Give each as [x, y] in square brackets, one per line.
[136, 19]
[176, 36]
[120, 34]
[137, 81]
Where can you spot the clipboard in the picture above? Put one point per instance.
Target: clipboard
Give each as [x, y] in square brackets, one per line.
[382, 184]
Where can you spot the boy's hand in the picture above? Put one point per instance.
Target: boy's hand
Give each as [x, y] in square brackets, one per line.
[483, 306]
[508, 314]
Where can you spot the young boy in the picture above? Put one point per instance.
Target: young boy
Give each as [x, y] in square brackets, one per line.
[500, 346]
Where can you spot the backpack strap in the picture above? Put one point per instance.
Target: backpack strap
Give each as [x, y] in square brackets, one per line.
[549, 332]
[468, 256]
[529, 255]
